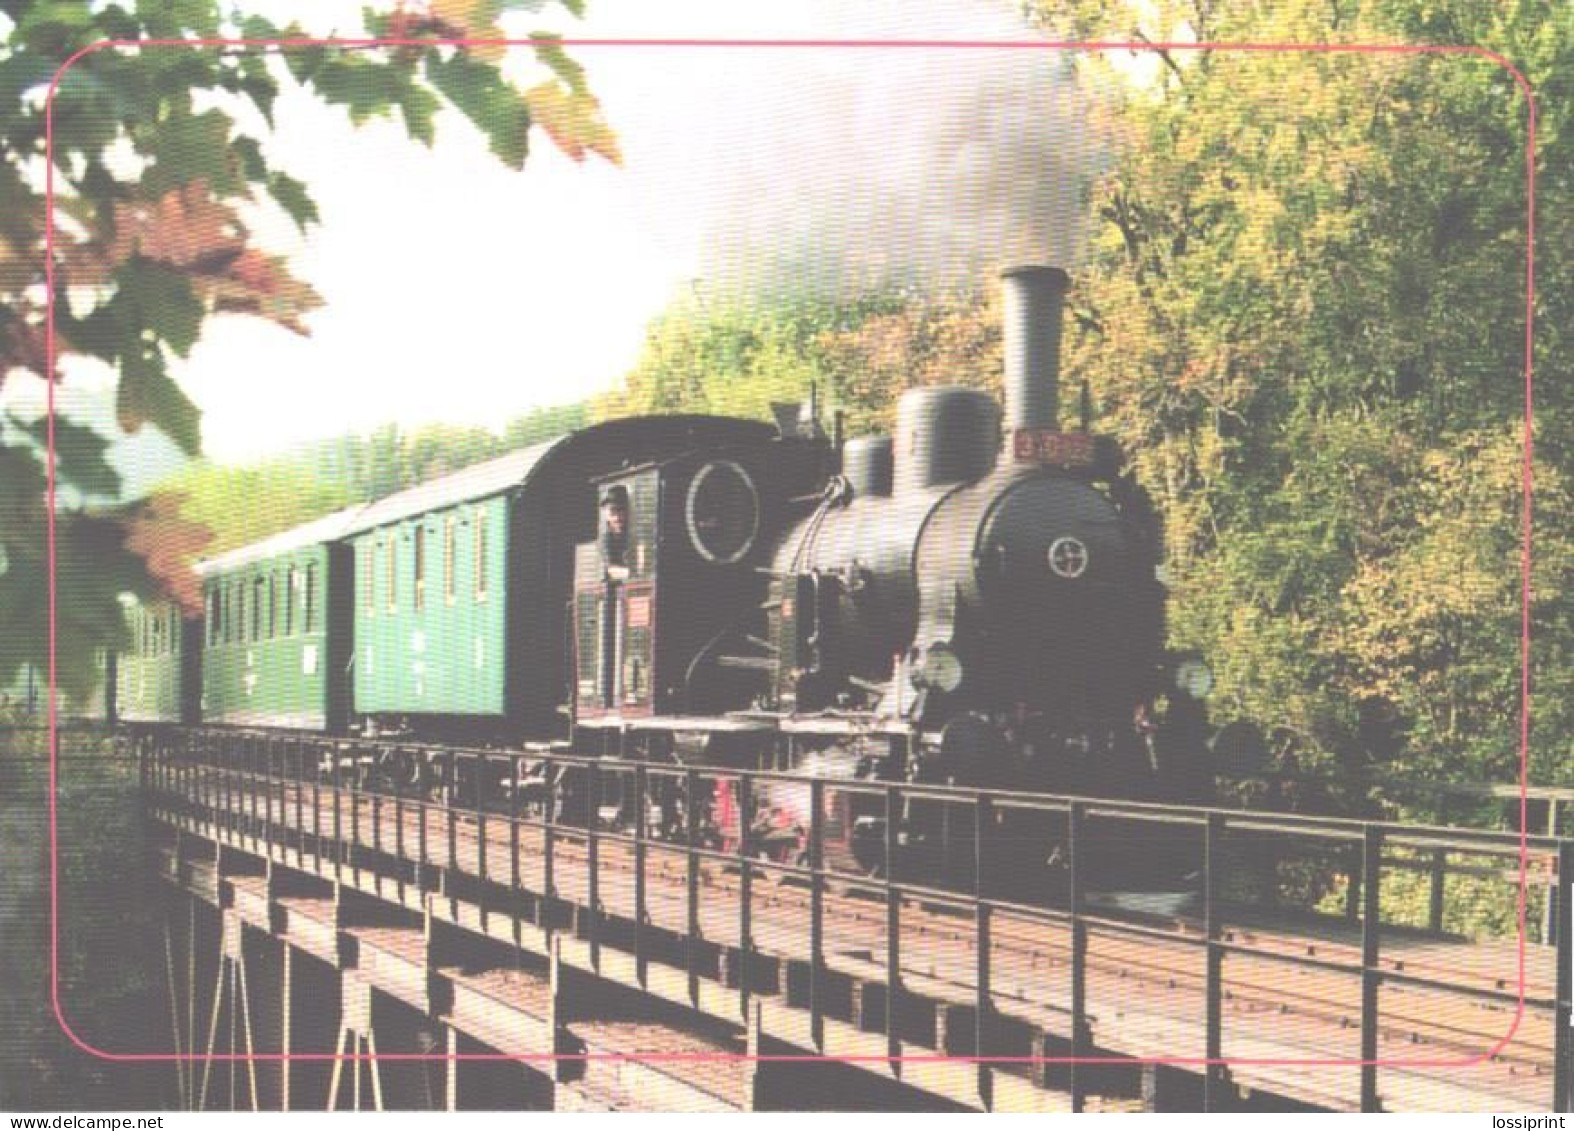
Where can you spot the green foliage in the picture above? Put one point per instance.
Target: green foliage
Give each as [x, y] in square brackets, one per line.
[152, 157]
[246, 504]
[1302, 314]
[738, 358]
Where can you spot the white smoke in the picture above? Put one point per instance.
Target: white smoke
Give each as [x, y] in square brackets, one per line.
[832, 170]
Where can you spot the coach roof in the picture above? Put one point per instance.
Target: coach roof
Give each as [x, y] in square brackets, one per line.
[329, 528]
[479, 481]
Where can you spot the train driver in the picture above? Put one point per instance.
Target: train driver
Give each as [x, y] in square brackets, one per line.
[615, 532]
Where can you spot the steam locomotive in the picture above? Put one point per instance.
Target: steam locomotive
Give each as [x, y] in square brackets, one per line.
[972, 601]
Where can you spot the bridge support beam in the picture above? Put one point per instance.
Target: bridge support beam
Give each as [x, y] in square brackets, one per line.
[267, 965]
[1165, 1088]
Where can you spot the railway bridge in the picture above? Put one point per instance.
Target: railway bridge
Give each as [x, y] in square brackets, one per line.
[331, 944]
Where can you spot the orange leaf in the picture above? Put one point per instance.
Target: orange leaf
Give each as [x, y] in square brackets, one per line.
[169, 544]
[254, 283]
[187, 227]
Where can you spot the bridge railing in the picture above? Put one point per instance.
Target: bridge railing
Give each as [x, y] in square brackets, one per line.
[998, 864]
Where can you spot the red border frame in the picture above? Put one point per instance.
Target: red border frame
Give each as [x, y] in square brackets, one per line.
[909, 44]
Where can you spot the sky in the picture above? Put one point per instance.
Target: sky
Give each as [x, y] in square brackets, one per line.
[459, 290]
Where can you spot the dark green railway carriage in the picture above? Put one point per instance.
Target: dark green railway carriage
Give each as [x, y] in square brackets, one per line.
[462, 584]
[156, 675]
[275, 631]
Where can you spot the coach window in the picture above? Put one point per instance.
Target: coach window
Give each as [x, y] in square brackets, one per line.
[369, 575]
[213, 617]
[257, 590]
[393, 571]
[480, 555]
[419, 592]
[311, 598]
[174, 629]
[273, 603]
[240, 612]
[448, 560]
[291, 581]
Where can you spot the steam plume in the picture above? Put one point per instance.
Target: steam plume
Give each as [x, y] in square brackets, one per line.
[834, 170]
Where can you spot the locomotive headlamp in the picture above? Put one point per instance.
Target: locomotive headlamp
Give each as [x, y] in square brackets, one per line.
[942, 668]
[1194, 678]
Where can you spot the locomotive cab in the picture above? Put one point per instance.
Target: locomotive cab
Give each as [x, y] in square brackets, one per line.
[679, 546]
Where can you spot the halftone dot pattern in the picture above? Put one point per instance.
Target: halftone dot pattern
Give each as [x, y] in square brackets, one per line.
[480, 848]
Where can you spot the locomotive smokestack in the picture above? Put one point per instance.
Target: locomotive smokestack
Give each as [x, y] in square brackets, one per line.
[1035, 299]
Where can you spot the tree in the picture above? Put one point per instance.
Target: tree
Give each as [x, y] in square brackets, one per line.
[151, 158]
[737, 356]
[1303, 314]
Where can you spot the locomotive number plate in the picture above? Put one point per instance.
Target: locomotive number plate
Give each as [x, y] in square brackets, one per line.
[1063, 449]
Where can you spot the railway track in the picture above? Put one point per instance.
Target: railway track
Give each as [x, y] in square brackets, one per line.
[1291, 991]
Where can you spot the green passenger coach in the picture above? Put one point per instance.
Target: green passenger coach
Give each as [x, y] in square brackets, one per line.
[275, 640]
[442, 609]
[155, 674]
[436, 592]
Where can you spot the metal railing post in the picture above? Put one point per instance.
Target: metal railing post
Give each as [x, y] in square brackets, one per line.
[482, 771]
[1563, 1010]
[338, 816]
[1213, 1085]
[983, 823]
[300, 824]
[817, 911]
[355, 821]
[745, 891]
[1438, 877]
[1075, 818]
[691, 839]
[514, 878]
[1547, 911]
[423, 864]
[398, 800]
[641, 965]
[893, 923]
[1352, 891]
[377, 832]
[450, 802]
[549, 811]
[593, 848]
[1371, 925]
